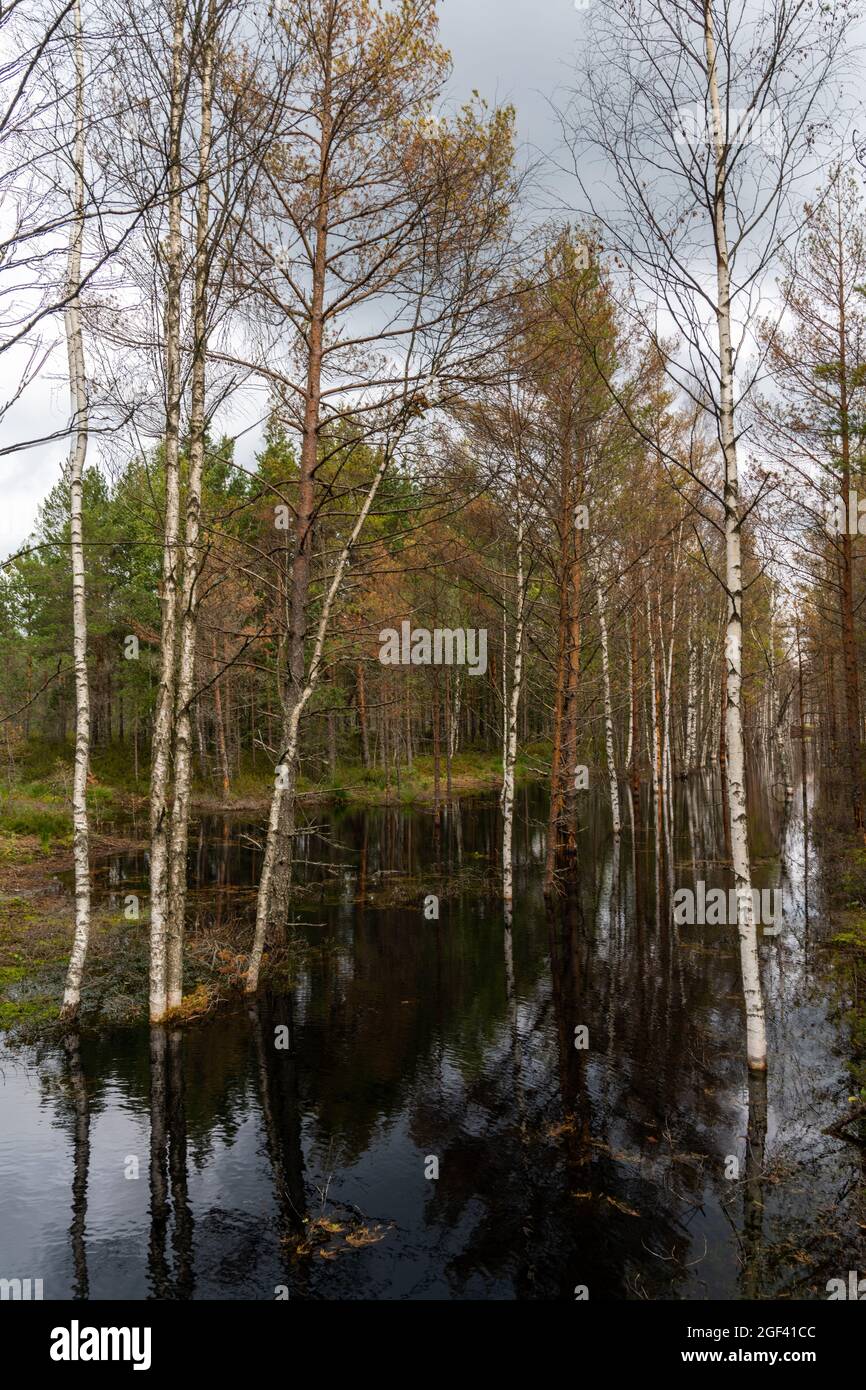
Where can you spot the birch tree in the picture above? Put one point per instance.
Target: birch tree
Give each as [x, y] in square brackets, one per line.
[380, 242]
[182, 734]
[513, 707]
[291, 732]
[512, 429]
[78, 395]
[707, 113]
[186, 168]
[613, 782]
[160, 772]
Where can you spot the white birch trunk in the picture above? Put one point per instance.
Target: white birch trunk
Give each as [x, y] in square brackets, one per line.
[455, 714]
[189, 591]
[608, 717]
[505, 720]
[702, 721]
[691, 698]
[668, 675]
[664, 732]
[777, 711]
[510, 752]
[652, 723]
[771, 661]
[78, 396]
[290, 735]
[630, 741]
[162, 728]
[756, 1039]
[667, 671]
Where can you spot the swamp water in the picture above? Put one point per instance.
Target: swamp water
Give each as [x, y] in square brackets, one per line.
[211, 1163]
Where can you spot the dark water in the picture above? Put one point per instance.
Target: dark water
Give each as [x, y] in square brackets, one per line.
[645, 1166]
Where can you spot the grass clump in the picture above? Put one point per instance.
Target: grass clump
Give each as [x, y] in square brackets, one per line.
[25, 818]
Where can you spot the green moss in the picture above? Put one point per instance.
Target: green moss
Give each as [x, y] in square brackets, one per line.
[23, 998]
[10, 975]
[31, 1012]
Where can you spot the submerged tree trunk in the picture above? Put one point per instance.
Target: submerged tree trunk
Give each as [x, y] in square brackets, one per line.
[655, 750]
[189, 592]
[276, 883]
[281, 818]
[556, 757]
[78, 394]
[437, 724]
[778, 709]
[691, 702]
[634, 720]
[756, 1039]
[510, 757]
[608, 717]
[572, 688]
[162, 726]
[666, 670]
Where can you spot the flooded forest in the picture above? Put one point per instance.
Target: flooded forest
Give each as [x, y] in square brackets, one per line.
[432, 822]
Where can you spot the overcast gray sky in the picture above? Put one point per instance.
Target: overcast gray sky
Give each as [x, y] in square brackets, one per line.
[515, 51]
[518, 51]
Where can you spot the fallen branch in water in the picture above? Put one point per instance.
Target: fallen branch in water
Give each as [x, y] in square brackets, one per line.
[838, 1127]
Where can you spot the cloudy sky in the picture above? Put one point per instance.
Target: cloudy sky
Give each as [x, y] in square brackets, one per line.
[509, 50]
[514, 50]
[518, 51]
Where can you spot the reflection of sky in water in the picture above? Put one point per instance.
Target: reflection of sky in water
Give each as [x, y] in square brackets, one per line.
[414, 1038]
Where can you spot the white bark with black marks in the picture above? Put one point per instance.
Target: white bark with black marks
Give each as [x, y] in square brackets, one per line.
[608, 716]
[513, 707]
[160, 774]
[78, 395]
[756, 1033]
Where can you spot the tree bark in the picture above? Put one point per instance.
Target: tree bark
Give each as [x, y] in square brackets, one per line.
[849, 644]
[756, 1039]
[191, 559]
[608, 717]
[279, 879]
[635, 710]
[691, 700]
[78, 394]
[511, 735]
[556, 756]
[281, 818]
[361, 697]
[162, 728]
